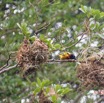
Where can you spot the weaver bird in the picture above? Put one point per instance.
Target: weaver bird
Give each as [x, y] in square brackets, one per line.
[67, 55]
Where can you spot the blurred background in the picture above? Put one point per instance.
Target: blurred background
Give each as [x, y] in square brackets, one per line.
[65, 25]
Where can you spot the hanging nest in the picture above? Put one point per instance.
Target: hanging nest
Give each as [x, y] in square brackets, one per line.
[91, 72]
[31, 55]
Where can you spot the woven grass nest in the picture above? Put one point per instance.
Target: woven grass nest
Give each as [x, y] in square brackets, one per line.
[91, 73]
[31, 55]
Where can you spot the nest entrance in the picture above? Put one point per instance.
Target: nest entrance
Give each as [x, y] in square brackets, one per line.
[31, 55]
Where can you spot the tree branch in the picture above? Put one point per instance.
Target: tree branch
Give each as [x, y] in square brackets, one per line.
[7, 62]
[7, 69]
[67, 60]
[52, 60]
[78, 40]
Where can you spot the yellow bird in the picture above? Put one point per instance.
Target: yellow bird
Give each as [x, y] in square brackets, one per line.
[66, 55]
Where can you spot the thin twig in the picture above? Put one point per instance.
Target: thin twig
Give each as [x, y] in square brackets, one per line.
[52, 60]
[7, 63]
[87, 31]
[8, 31]
[7, 69]
[67, 60]
[78, 40]
[83, 33]
[42, 28]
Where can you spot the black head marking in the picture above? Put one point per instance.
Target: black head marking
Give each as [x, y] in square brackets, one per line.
[72, 56]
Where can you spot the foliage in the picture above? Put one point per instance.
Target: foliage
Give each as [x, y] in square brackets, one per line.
[54, 92]
[64, 25]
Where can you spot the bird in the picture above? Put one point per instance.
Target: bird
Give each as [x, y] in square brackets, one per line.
[67, 55]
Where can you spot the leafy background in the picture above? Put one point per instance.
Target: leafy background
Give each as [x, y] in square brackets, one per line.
[59, 23]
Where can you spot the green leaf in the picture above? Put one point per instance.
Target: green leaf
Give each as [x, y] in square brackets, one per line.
[65, 91]
[54, 98]
[83, 9]
[47, 90]
[34, 84]
[92, 26]
[101, 35]
[59, 100]
[24, 29]
[57, 87]
[60, 91]
[97, 25]
[95, 13]
[42, 37]
[45, 83]
[39, 82]
[33, 38]
[57, 46]
[102, 14]
[36, 91]
[19, 26]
